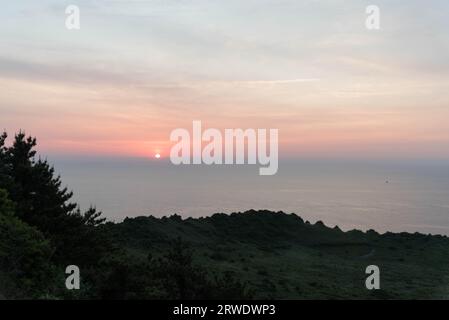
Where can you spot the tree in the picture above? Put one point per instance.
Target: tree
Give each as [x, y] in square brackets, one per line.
[180, 278]
[42, 202]
[25, 268]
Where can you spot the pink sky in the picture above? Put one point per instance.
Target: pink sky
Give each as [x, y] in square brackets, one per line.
[120, 84]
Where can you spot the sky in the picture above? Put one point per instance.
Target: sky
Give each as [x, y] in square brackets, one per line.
[136, 70]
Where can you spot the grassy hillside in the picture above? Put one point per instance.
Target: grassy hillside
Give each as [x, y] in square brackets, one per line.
[280, 256]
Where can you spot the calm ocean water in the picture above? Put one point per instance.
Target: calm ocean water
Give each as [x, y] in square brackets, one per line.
[382, 196]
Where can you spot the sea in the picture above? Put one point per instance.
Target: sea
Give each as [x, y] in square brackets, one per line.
[397, 196]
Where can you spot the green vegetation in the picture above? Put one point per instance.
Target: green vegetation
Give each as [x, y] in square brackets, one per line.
[255, 254]
[280, 256]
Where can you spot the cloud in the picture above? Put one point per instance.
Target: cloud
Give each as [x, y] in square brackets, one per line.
[69, 73]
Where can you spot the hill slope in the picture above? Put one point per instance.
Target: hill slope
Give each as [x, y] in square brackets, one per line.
[281, 256]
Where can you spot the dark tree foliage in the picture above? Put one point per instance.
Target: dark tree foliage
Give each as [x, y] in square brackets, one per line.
[180, 278]
[42, 202]
[171, 276]
[25, 267]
